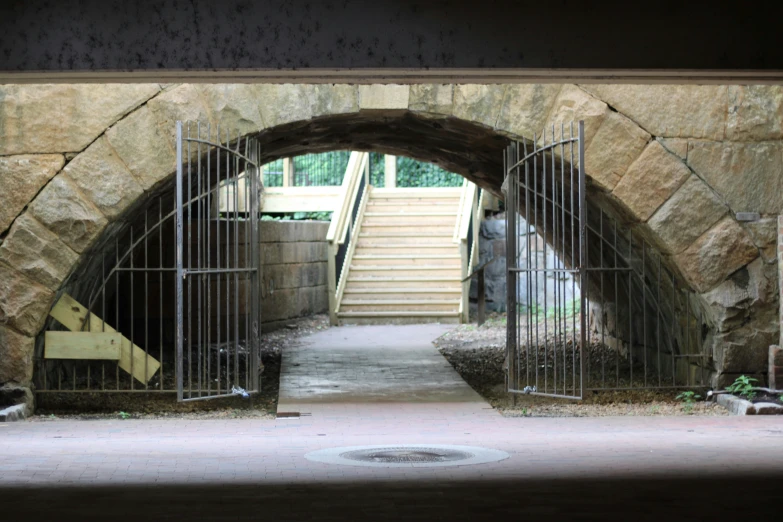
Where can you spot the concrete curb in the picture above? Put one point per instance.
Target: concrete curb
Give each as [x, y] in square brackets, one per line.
[738, 406]
[14, 413]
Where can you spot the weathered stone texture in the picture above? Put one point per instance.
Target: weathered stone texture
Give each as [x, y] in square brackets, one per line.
[294, 252]
[181, 103]
[745, 309]
[525, 109]
[66, 212]
[63, 117]
[675, 111]
[478, 103]
[651, 180]
[720, 251]
[287, 103]
[616, 144]
[690, 212]
[384, 97]
[234, 107]
[574, 104]
[16, 356]
[755, 113]
[677, 146]
[764, 235]
[37, 252]
[23, 303]
[21, 177]
[748, 175]
[286, 231]
[102, 176]
[142, 146]
[431, 98]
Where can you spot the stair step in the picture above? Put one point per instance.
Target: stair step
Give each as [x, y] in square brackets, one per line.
[404, 278]
[380, 306]
[409, 260]
[387, 233]
[393, 290]
[398, 313]
[406, 214]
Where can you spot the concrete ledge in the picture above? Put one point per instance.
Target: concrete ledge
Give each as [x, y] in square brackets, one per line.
[738, 406]
[18, 412]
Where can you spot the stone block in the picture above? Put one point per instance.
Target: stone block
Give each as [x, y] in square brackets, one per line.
[14, 413]
[21, 177]
[294, 302]
[431, 98]
[292, 231]
[493, 229]
[103, 177]
[14, 394]
[16, 356]
[234, 107]
[616, 144]
[479, 103]
[293, 252]
[720, 251]
[143, 147]
[37, 252]
[677, 146]
[764, 235]
[775, 371]
[746, 175]
[651, 180]
[670, 111]
[690, 212]
[181, 103]
[277, 277]
[755, 113]
[287, 103]
[384, 97]
[64, 210]
[571, 105]
[63, 117]
[525, 109]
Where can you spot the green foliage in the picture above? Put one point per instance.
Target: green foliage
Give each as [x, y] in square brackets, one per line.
[688, 397]
[414, 173]
[743, 386]
[124, 415]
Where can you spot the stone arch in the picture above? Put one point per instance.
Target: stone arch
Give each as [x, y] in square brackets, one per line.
[88, 178]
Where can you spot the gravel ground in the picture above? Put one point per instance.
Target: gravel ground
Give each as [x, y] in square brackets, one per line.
[478, 354]
[162, 406]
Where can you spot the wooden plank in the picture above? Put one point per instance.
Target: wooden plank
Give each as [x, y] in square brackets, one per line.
[71, 314]
[390, 171]
[104, 346]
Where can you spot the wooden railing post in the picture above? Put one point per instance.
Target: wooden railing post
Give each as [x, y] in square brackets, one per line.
[288, 172]
[389, 171]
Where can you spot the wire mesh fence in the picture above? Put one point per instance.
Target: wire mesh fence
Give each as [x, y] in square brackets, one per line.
[328, 168]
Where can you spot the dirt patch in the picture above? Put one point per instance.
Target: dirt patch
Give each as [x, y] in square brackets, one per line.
[139, 405]
[478, 354]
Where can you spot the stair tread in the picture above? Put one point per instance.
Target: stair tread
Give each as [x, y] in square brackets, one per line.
[400, 301]
[402, 267]
[398, 313]
[394, 290]
[406, 256]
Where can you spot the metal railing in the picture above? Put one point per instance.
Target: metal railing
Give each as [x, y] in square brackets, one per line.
[343, 230]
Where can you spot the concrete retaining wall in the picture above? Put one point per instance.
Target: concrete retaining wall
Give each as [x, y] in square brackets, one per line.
[293, 271]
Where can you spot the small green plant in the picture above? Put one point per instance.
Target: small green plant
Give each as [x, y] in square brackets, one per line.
[52, 416]
[689, 398]
[124, 415]
[743, 386]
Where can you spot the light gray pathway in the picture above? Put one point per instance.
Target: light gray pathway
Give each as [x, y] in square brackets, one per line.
[354, 365]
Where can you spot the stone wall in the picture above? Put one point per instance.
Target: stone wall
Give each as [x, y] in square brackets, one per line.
[492, 244]
[294, 271]
[676, 162]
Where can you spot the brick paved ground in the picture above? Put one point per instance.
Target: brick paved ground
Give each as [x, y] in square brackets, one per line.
[611, 468]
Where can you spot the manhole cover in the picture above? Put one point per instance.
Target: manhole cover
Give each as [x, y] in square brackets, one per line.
[407, 455]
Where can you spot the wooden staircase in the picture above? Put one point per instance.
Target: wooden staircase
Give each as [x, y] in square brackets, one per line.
[406, 267]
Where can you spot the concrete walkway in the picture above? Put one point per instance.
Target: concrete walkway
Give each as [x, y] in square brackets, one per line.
[346, 367]
[607, 469]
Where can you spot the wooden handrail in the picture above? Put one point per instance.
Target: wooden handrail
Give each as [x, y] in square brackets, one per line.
[341, 224]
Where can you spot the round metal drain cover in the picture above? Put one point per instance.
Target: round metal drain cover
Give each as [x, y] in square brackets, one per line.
[407, 455]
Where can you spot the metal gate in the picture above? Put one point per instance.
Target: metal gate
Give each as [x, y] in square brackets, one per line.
[217, 289]
[169, 301]
[591, 306]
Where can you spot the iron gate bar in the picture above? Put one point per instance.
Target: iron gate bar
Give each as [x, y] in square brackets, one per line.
[555, 207]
